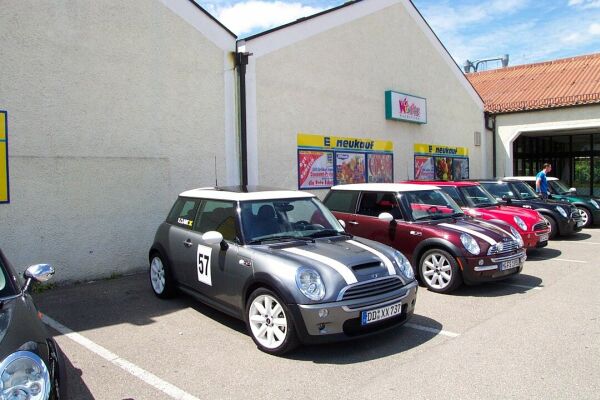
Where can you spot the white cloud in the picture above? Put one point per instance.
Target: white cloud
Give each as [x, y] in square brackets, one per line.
[572, 38]
[254, 15]
[594, 29]
[585, 4]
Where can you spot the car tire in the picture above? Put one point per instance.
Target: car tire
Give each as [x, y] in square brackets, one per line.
[586, 216]
[269, 322]
[553, 226]
[161, 280]
[439, 271]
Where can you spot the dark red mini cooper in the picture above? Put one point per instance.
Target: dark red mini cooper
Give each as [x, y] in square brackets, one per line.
[446, 246]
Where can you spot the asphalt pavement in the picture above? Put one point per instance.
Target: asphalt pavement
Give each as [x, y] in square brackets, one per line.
[536, 335]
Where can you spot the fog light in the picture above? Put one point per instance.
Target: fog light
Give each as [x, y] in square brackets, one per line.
[323, 312]
[480, 262]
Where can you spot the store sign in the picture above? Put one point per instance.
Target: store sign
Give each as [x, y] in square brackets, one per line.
[438, 162]
[405, 107]
[324, 161]
[4, 194]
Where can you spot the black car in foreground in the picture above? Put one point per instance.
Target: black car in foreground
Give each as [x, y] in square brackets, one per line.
[563, 217]
[31, 364]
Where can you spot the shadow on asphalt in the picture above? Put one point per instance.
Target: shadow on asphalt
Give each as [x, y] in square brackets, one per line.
[379, 345]
[573, 238]
[77, 389]
[545, 253]
[518, 284]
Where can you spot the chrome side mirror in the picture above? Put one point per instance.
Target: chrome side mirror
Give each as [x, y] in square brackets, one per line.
[38, 273]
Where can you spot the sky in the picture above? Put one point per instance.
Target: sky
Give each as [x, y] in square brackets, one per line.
[527, 30]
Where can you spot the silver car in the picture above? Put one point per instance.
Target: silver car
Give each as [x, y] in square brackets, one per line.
[280, 261]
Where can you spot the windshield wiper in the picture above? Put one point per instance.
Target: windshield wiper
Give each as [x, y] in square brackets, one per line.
[328, 232]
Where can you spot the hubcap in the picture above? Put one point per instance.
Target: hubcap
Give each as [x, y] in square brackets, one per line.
[549, 226]
[437, 271]
[584, 216]
[157, 275]
[268, 322]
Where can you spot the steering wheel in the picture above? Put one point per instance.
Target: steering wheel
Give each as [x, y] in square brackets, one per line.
[433, 210]
[301, 225]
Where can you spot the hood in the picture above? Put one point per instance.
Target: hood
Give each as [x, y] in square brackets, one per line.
[19, 325]
[342, 261]
[482, 231]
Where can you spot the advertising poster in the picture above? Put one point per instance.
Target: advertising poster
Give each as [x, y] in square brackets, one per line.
[460, 169]
[381, 168]
[424, 168]
[315, 169]
[350, 168]
[4, 196]
[324, 161]
[443, 168]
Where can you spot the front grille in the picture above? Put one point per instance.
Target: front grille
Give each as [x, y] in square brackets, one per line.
[371, 288]
[540, 226]
[504, 247]
[575, 213]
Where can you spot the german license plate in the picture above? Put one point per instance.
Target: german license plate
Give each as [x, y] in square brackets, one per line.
[378, 314]
[544, 238]
[510, 264]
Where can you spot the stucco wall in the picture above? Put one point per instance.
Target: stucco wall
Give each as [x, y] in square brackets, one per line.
[114, 107]
[510, 126]
[333, 83]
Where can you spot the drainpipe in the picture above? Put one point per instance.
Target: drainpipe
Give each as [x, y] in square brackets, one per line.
[241, 60]
[490, 123]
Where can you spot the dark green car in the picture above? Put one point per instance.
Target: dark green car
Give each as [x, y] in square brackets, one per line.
[588, 206]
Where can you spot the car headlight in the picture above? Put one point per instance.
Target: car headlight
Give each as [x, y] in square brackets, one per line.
[404, 265]
[470, 243]
[561, 211]
[595, 203]
[520, 223]
[517, 236]
[310, 283]
[23, 375]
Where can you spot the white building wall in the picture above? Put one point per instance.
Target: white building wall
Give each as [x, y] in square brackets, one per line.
[114, 107]
[510, 126]
[328, 75]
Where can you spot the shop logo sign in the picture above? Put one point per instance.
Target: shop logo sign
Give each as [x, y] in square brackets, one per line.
[405, 107]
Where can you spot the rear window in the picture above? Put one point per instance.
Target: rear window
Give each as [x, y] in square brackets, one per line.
[341, 201]
[184, 212]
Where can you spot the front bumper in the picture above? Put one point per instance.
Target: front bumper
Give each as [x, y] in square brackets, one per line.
[343, 320]
[535, 239]
[491, 268]
[569, 226]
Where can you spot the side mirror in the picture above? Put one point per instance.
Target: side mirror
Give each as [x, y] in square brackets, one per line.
[342, 223]
[506, 199]
[38, 273]
[572, 190]
[387, 217]
[214, 237]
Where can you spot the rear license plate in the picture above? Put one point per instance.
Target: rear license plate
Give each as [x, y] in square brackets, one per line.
[510, 264]
[579, 223]
[367, 317]
[544, 238]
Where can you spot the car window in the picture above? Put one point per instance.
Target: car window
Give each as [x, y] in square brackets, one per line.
[524, 190]
[499, 190]
[217, 215]
[375, 203]
[477, 196]
[184, 212]
[453, 192]
[341, 201]
[431, 204]
[6, 289]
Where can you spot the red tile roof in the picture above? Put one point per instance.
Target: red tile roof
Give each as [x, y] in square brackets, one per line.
[558, 83]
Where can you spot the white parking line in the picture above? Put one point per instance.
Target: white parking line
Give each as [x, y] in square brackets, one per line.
[580, 242]
[557, 259]
[432, 330]
[151, 379]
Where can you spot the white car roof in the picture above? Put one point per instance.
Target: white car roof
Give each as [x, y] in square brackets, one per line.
[238, 193]
[385, 187]
[531, 178]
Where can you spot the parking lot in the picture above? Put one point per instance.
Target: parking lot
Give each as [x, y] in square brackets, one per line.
[536, 335]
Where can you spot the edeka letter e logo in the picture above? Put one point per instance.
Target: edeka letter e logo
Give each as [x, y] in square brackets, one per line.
[430, 149]
[326, 141]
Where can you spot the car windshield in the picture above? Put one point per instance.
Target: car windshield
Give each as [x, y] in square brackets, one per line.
[6, 289]
[478, 196]
[285, 219]
[431, 204]
[499, 189]
[524, 191]
[559, 187]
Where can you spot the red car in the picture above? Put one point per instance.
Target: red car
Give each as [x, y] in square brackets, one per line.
[444, 246]
[479, 203]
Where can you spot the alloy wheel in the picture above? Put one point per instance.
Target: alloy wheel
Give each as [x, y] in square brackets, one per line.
[157, 275]
[584, 216]
[437, 271]
[268, 321]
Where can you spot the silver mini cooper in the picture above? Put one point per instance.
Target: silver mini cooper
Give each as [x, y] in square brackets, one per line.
[280, 261]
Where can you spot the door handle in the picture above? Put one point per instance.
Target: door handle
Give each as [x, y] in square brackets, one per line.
[353, 222]
[187, 243]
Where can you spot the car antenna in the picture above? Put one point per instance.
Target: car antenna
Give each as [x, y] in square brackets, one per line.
[216, 181]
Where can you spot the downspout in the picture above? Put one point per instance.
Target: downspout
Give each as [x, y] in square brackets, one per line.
[241, 60]
[490, 123]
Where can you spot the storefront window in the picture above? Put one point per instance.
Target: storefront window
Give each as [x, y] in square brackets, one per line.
[581, 143]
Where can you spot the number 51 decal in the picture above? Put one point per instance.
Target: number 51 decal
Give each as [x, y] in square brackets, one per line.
[203, 264]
